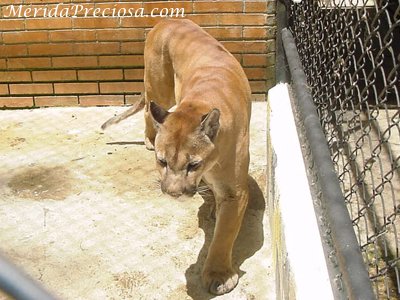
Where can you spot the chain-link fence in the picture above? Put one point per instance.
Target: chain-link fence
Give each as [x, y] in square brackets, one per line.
[349, 50]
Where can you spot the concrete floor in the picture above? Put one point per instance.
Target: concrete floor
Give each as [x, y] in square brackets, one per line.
[81, 211]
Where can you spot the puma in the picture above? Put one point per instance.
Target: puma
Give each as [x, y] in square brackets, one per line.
[206, 137]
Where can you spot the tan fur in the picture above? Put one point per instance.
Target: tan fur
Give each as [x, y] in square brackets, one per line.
[138, 106]
[207, 137]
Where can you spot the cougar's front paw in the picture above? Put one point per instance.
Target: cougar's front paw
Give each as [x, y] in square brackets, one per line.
[220, 282]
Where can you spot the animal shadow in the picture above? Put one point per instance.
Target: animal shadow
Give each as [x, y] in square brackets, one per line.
[248, 242]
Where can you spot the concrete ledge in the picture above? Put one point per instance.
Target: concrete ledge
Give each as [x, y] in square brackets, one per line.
[299, 261]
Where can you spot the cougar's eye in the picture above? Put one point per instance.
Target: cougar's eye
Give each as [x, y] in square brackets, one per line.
[162, 162]
[193, 166]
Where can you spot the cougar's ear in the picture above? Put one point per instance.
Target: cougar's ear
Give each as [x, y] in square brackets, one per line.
[210, 124]
[158, 114]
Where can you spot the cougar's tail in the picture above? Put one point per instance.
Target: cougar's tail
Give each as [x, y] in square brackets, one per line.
[138, 106]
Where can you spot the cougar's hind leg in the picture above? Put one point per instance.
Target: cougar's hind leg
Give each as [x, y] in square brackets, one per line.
[159, 87]
[149, 131]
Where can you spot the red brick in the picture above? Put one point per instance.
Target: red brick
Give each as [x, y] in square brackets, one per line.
[13, 50]
[254, 60]
[256, 33]
[21, 37]
[112, 8]
[131, 99]
[134, 74]
[4, 89]
[31, 89]
[101, 74]
[120, 34]
[218, 7]
[132, 48]
[225, 33]
[16, 102]
[48, 23]
[74, 62]
[15, 76]
[20, 11]
[76, 88]
[52, 76]
[28, 62]
[157, 7]
[88, 6]
[74, 11]
[56, 101]
[252, 7]
[3, 2]
[101, 100]
[255, 73]
[96, 48]
[121, 61]
[99, 44]
[72, 35]
[11, 24]
[121, 87]
[242, 19]
[50, 49]
[257, 86]
[95, 22]
[6, 10]
[43, 1]
[246, 46]
[139, 22]
[204, 20]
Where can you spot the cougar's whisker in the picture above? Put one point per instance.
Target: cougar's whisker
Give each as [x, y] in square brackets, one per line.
[157, 181]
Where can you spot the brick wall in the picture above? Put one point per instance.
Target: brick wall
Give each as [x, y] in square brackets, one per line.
[69, 61]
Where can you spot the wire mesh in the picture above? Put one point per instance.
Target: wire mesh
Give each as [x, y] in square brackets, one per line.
[350, 51]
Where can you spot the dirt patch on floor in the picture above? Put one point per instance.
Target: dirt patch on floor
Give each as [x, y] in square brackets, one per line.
[42, 182]
[130, 283]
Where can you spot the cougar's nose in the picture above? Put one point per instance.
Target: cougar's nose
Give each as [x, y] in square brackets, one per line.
[175, 194]
[171, 192]
[173, 185]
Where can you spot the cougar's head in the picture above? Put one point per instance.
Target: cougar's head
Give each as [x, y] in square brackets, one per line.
[184, 149]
